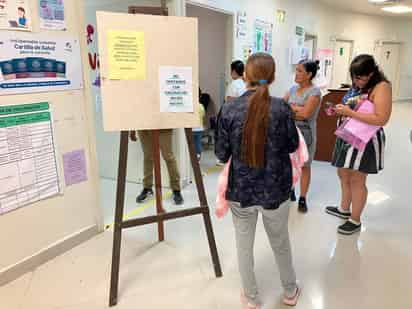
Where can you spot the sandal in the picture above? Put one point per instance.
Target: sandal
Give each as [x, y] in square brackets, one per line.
[292, 301]
[245, 303]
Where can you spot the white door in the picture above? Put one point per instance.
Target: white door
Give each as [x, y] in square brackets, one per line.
[389, 61]
[342, 58]
[310, 43]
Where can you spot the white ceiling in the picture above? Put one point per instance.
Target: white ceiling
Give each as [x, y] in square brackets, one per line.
[363, 6]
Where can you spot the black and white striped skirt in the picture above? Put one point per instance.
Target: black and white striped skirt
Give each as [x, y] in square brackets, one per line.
[370, 161]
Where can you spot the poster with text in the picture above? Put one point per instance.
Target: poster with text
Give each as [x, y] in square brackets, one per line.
[241, 25]
[39, 63]
[52, 15]
[263, 36]
[28, 166]
[15, 15]
[324, 77]
[176, 89]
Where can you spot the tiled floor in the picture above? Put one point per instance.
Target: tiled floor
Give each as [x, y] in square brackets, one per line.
[367, 271]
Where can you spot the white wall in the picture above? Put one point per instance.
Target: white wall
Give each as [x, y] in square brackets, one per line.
[405, 35]
[213, 44]
[324, 22]
[31, 234]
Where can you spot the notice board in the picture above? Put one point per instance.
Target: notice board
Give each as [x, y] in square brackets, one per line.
[149, 68]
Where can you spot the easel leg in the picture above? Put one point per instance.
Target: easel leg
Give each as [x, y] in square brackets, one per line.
[203, 202]
[117, 237]
[158, 181]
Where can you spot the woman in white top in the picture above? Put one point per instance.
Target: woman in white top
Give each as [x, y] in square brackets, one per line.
[238, 86]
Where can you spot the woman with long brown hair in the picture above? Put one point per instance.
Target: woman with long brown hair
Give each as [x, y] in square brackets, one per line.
[258, 132]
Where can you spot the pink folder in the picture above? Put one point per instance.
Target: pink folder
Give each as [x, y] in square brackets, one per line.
[358, 133]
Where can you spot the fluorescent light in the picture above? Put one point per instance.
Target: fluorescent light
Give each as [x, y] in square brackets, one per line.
[379, 1]
[398, 9]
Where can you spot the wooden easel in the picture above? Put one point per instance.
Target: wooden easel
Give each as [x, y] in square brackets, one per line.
[161, 215]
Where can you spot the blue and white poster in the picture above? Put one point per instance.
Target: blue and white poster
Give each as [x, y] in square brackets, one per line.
[39, 63]
[52, 15]
[15, 15]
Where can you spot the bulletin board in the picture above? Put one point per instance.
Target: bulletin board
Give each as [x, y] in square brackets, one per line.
[56, 222]
[131, 99]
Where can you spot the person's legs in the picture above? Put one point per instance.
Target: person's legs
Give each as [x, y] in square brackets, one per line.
[345, 183]
[146, 141]
[305, 181]
[166, 147]
[359, 193]
[276, 225]
[343, 211]
[304, 187]
[244, 220]
[197, 138]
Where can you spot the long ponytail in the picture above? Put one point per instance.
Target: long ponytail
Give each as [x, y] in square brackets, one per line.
[260, 73]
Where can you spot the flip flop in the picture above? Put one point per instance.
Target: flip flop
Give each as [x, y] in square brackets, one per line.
[292, 301]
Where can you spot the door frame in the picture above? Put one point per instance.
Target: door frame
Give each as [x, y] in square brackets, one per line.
[230, 34]
[378, 49]
[314, 37]
[346, 40]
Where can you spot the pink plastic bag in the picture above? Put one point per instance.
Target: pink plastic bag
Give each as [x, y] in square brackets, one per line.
[297, 159]
[222, 205]
[358, 133]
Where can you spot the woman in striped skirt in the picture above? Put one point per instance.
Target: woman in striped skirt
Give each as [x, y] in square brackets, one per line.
[353, 165]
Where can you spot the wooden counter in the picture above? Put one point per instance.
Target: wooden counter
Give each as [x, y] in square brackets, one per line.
[326, 126]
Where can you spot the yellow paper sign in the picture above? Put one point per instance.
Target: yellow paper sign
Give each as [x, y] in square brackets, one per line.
[127, 55]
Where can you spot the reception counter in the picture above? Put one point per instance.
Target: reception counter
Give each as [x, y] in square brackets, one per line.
[327, 126]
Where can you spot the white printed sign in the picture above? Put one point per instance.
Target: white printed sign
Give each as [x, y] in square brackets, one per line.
[176, 89]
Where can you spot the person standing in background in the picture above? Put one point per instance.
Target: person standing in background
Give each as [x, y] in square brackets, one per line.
[166, 148]
[237, 87]
[198, 132]
[304, 99]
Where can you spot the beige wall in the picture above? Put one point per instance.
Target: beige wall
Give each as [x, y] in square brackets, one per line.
[30, 231]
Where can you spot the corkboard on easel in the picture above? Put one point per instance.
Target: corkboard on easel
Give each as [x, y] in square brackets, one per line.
[169, 41]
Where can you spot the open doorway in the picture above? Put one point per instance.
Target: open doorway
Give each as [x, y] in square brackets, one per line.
[215, 48]
[215, 56]
[343, 52]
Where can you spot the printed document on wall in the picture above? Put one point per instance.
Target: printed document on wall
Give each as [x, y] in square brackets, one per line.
[15, 15]
[28, 161]
[176, 89]
[39, 63]
[52, 15]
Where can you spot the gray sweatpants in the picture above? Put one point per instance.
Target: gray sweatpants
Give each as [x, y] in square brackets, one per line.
[276, 226]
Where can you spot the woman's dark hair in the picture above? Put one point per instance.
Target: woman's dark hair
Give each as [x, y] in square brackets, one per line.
[21, 9]
[311, 67]
[205, 100]
[238, 67]
[364, 65]
[260, 73]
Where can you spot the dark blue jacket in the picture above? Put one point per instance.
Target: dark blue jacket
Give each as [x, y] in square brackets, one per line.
[269, 186]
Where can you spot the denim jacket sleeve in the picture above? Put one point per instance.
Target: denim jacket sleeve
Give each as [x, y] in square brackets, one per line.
[223, 149]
